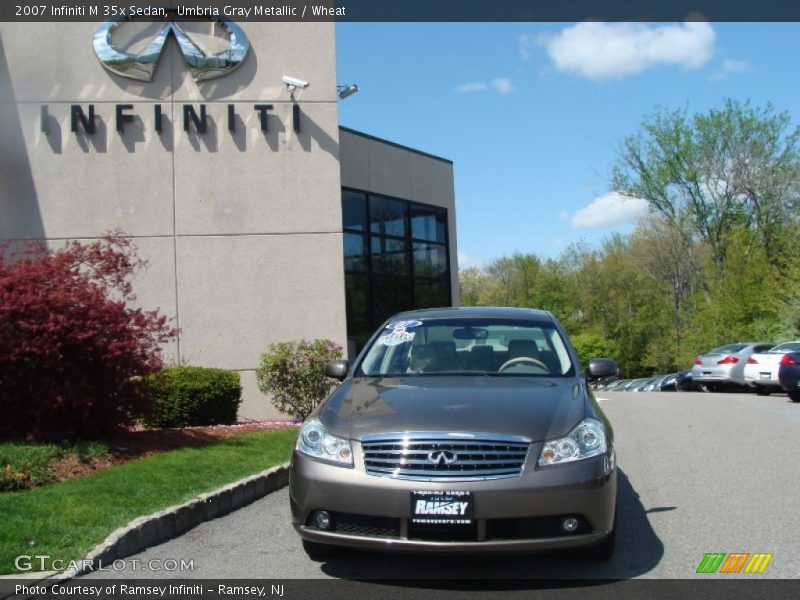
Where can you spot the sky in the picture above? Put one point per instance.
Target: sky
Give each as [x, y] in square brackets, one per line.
[532, 114]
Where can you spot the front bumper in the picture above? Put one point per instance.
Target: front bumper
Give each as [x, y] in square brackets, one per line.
[510, 515]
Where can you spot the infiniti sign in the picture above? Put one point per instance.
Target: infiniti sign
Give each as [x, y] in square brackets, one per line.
[202, 66]
[442, 457]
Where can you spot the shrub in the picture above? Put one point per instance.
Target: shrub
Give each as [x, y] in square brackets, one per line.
[592, 345]
[294, 374]
[71, 346]
[187, 396]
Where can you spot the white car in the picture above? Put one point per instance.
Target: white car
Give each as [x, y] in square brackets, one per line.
[761, 370]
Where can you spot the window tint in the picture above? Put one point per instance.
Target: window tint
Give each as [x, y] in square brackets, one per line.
[399, 250]
[428, 224]
[391, 295]
[354, 210]
[355, 252]
[729, 349]
[432, 293]
[430, 260]
[387, 216]
[469, 347]
[787, 347]
[389, 256]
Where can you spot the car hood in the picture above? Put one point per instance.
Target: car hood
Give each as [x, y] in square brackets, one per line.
[536, 408]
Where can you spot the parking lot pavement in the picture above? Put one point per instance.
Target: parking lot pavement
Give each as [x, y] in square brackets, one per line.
[698, 473]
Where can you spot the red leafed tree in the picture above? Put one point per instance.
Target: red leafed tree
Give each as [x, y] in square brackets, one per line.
[71, 344]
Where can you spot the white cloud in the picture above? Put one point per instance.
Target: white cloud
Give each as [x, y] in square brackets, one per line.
[600, 51]
[475, 86]
[501, 85]
[609, 210]
[524, 44]
[731, 66]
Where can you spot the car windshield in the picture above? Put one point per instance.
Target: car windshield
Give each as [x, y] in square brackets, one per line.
[787, 347]
[729, 349]
[467, 347]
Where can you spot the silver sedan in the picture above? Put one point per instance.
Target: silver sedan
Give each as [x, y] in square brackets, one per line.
[725, 365]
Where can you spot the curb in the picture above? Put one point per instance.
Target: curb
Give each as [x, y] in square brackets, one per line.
[171, 522]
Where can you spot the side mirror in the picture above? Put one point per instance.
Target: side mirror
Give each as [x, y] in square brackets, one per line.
[602, 367]
[337, 369]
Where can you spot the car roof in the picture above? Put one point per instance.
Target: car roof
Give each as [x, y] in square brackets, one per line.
[477, 312]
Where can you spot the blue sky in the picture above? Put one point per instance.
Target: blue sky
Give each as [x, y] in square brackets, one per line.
[531, 113]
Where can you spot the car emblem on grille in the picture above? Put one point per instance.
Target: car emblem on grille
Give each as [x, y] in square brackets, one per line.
[442, 457]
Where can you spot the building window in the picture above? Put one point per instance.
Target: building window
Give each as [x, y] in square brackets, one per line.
[395, 258]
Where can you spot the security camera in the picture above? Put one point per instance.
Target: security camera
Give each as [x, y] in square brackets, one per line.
[293, 83]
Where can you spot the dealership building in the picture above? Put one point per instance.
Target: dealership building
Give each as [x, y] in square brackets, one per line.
[262, 219]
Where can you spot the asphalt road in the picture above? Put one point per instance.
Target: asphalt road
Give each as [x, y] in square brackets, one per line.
[698, 473]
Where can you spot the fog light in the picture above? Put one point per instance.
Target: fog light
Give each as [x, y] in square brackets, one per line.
[569, 524]
[323, 519]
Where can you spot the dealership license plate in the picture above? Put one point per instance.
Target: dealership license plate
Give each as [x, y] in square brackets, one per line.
[442, 508]
[765, 375]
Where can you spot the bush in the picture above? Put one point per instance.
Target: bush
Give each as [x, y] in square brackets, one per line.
[592, 345]
[71, 347]
[294, 374]
[187, 396]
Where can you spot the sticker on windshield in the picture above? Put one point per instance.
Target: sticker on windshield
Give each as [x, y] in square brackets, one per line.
[395, 338]
[403, 325]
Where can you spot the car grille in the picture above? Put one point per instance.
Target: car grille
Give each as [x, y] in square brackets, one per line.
[364, 525]
[444, 457]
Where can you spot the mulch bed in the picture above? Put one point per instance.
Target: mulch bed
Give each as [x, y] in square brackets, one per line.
[133, 445]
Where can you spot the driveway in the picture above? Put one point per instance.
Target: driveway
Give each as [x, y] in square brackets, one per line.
[698, 473]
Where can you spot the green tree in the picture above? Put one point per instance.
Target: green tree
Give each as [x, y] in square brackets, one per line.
[735, 168]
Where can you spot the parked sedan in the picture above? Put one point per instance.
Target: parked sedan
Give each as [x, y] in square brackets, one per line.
[615, 386]
[789, 374]
[669, 383]
[725, 365]
[761, 371]
[466, 430]
[684, 382]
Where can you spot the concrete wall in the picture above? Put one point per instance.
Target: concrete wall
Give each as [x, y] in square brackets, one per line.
[243, 230]
[381, 167]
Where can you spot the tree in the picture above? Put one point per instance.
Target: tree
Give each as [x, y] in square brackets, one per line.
[735, 168]
[72, 347]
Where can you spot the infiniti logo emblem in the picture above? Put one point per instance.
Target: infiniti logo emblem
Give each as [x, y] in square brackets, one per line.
[442, 457]
[142, 66]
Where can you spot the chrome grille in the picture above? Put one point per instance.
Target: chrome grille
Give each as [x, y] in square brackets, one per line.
[444, 456]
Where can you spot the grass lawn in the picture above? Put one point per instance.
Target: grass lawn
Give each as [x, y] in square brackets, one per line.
[65, 520]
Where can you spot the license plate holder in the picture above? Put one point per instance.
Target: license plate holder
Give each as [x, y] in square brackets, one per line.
[765, 375]
[452, 507]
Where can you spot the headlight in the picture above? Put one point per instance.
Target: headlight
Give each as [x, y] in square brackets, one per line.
[586, 440]
[315, 441]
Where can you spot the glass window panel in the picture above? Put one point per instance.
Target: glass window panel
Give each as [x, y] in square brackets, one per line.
[387, 217]
[428, 223]
[430, 260]
[354, 210]
[391, 295]
[355, 252]
[357, 296]
[431, 293]
[389, 256]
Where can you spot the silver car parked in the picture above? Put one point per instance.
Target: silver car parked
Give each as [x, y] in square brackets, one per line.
[725, 365]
